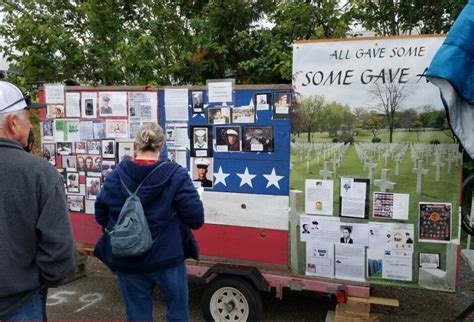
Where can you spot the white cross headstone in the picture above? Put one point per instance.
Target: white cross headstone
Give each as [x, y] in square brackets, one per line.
[398, 161]
[318, 156]
[334, 164]
[438, 164]
[386, 155]
[420, 172]
[325, 173]
[451, 159]
[371, 166]
[384, 183]
[308, 160]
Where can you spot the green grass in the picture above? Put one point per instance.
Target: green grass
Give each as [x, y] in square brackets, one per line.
[399, 135]
[447, 190]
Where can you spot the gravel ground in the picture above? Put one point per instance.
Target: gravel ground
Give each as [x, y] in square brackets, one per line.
[97, 297]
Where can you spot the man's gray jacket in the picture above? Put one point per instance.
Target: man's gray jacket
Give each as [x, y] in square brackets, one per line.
[36, 241]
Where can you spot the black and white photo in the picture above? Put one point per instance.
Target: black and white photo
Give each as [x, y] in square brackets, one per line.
[429, 260]
[125, 151]
[72, 182]
[92, 187]
[94, 147]
[69, 162]
[197, 102]
[219, 115]
[75, 203]
[262, 101]
[49, 152]
[257, 139]
[108, 149]
[64, 148]
[244, 114]
[200, 138]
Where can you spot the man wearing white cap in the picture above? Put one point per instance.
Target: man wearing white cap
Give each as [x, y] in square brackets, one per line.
[36, 238]
[200, 141]
[233, 143]
[202, 165]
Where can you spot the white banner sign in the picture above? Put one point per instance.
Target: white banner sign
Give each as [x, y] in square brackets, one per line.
[346, 71]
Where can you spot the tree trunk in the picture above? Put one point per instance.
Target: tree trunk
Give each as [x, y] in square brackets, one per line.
[309, 134]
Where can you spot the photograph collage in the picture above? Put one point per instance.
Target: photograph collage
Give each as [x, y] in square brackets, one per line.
[228, 129]
[87, 135]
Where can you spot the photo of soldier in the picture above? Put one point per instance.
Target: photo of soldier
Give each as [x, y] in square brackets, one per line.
[257, 139]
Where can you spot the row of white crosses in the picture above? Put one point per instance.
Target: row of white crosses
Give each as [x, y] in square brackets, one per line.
[337, 159]
[326, 151]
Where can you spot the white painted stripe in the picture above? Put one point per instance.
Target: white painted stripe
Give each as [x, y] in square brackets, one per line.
[246, 210]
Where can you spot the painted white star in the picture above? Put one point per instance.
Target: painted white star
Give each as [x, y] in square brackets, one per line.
[273, 179]
[220, 177]
[246, 178]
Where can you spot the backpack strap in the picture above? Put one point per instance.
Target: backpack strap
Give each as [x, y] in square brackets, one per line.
[143, 181]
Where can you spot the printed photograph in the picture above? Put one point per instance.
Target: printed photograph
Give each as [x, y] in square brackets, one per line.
[112, 103]
[346, 232]
[435, 222]
[69, 162]
[108, 149]
[262, 101]
[245, 114]
[72, 182]
[202, 171]
[90, 163]
[383, 205]
[116, 129]
[170, 135]
[92, 187]
[228, 138]
[55, 111]
[64, 148]
[75, 203]
[281, 105]
[49, 152]
[219, 115]
[200, 138]
[48, 126]
[107, 167]
[125, 150]
[197, 101]
[80, 147]
[94, 147]
[89, 105]
[99, 130]
[429, 260]
[257, 138]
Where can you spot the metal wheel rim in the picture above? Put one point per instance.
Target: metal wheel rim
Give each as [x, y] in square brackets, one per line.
[220, 301]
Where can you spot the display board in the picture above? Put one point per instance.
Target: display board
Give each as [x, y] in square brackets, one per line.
[380, 169]
[234, 140]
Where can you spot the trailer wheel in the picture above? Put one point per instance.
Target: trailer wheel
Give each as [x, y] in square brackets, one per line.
[231, 299]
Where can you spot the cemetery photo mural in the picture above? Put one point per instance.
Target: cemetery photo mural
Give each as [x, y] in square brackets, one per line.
[370, 135]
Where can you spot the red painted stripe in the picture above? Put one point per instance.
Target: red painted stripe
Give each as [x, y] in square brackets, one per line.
[232, 242]
[85, 228]
[243, 243]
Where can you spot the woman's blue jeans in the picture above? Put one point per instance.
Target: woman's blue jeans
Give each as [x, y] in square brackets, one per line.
[137, 292]
[32, 309]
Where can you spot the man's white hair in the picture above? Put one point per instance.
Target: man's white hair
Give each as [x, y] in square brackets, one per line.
[4, 116]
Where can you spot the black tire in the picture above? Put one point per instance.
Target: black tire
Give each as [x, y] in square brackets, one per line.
[237, 289]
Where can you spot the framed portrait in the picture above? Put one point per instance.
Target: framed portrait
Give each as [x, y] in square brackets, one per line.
[219, 115]
[170, 135]
[49, 152]
[262, 101]
[202, 171]
[112, 104]
[72, 182]
[64, 148]
[108, 149]
[281, 105]
[75, 203]
[429, 260]
[201, 141]
[257, 139]
[69, 162]
[89, 105]
[197, 98]
[92, 187]
[80, 147]
[125, 151]
[244, 114]
[94, 147]
[116, 128]
[47, 128]
[99, 130]
[107, 167]
[90, 163]
[228, 139]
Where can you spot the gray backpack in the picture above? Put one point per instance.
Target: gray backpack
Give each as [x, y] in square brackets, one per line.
[131, 234]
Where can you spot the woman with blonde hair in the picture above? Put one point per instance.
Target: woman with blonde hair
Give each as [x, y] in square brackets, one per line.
[172, 207]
